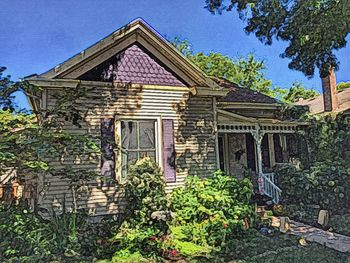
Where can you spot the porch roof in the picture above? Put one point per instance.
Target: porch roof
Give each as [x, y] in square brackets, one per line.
[242, 94]
[232, 122]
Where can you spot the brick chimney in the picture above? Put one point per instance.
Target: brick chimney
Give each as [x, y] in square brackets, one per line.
[329, 87]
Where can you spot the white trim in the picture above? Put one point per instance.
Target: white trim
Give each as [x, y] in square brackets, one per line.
[216, 134]
[226, 154]
[157, 135]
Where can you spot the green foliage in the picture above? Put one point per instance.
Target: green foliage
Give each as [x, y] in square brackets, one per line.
[245, 72]
[297, 92]
[343, 85]
[23, 236]
[326, 181]
[312, 29]
[212, 210]
[27, 237]
[145, 190]
[253, 244]
[292, 112]
[328, 137]
[142, 231]
[28, 142]
[340, 223]
[186, 248]
[325, 184]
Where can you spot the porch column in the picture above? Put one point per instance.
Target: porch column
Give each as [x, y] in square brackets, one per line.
[258, 136]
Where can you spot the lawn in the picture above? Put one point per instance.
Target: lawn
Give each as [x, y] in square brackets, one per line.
[257, 248]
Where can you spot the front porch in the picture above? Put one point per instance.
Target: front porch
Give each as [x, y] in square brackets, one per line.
[254, 147]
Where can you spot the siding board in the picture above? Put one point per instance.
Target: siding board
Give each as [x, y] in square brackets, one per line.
[194, 139]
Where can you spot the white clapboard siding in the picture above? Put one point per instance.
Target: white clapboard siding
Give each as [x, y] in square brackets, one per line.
[193, 131]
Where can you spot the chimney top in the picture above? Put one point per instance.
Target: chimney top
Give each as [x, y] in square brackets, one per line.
[329, 87]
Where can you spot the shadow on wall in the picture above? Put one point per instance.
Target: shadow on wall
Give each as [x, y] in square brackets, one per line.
[64, 194]
[195, 137]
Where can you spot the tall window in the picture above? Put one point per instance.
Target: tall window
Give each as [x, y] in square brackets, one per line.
[137, 141]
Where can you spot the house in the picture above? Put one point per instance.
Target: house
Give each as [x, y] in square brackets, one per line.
[331, 100]
[150, 100]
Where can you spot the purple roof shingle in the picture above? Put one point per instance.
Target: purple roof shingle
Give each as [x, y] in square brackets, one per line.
[133, 65]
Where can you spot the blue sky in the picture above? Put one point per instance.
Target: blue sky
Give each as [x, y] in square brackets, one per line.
[36, 35]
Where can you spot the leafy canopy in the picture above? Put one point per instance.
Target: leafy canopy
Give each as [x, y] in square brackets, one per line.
[247, 72]
[297, 92]
[313, 29]
[343, 85]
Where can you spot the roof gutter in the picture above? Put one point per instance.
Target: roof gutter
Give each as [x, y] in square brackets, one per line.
[249, 105]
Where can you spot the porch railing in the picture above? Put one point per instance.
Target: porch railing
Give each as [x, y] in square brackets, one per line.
[268, 187]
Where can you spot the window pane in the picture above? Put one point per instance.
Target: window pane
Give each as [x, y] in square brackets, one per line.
[147, 135]
[132, 157]
[151, 154]
[129, 134]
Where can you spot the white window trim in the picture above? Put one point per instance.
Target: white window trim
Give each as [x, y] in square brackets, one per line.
[117, 136]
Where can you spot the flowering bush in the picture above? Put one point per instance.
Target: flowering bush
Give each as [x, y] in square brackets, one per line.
[212, 210]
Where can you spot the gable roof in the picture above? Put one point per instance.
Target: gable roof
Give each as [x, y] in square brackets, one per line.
[316, 105]
[240, 94]
[137, 31]
[133, 65]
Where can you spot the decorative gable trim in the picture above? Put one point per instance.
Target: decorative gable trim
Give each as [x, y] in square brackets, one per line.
[136, 31]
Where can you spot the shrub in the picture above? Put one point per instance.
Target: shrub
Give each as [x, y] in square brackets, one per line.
[27, 237]
[144, 229]
[24, 237]
[212, 210]
[325, 184]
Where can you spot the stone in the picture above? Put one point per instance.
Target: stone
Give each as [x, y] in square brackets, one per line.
[284, 224]
[162, 215]
[323, 218]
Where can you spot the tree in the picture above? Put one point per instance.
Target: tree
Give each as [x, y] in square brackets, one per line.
[27, 140]
[313, 29]
[246, 72]
[343, 85]
[297, 92]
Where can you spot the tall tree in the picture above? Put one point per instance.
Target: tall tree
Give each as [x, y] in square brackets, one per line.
[314, 29]
[247, 72]
[296, 92]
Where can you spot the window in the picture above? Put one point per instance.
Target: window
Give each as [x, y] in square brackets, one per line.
[138, 139]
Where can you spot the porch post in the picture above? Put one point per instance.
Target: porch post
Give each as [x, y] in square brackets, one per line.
[258, 136]
[259, 154]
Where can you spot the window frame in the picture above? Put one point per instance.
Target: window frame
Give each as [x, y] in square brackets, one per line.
[118, 133]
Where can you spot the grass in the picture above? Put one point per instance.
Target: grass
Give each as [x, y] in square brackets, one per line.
[276, 248]
[340, 224]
